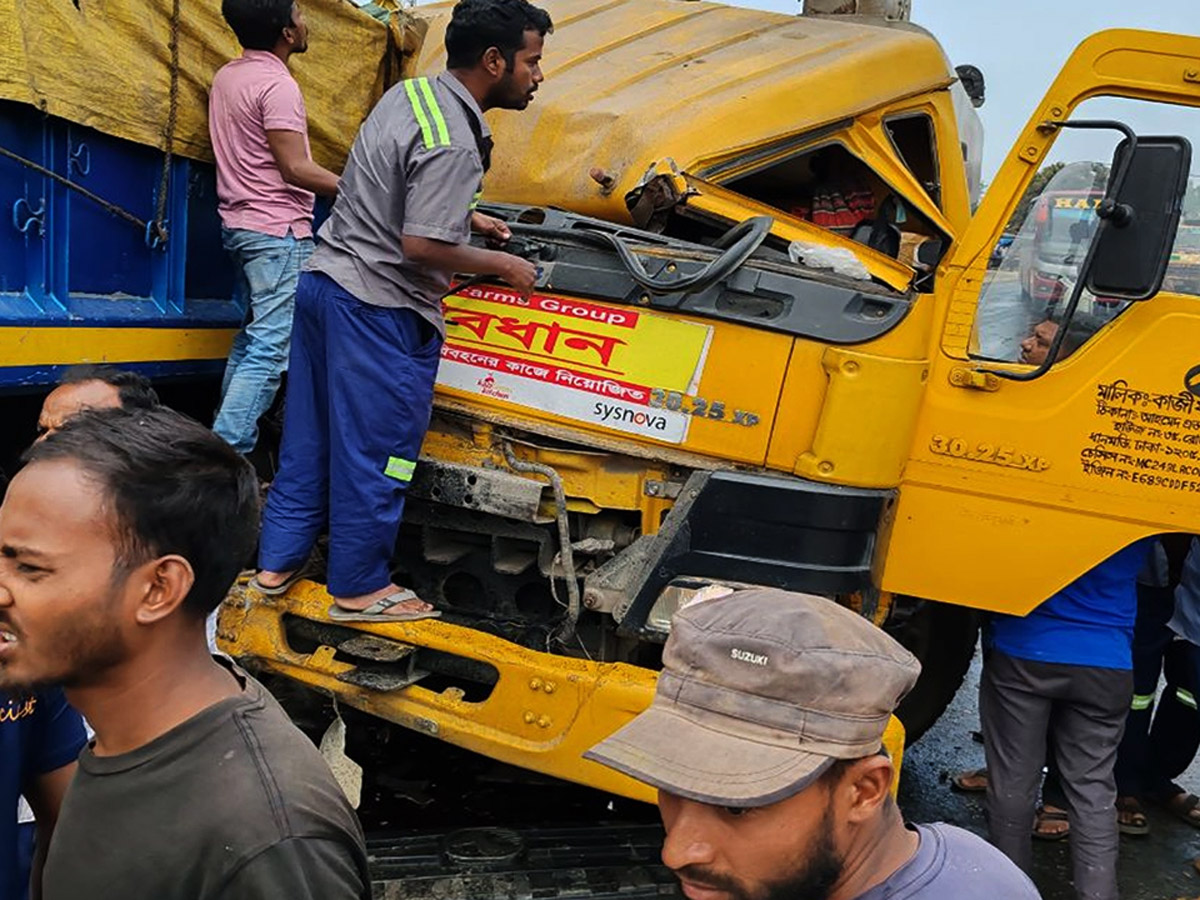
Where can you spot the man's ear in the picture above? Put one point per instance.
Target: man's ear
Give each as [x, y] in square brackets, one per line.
[493, 62]
[165, 584]
[868, 783]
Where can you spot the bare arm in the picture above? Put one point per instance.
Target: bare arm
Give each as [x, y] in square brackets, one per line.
[296, 168]
[45, 795]
[467, 260]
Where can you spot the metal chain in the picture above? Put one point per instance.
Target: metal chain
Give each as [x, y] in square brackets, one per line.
[158, 227]
[66, 182]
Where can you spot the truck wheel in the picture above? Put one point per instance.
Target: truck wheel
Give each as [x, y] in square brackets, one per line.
[943, 638]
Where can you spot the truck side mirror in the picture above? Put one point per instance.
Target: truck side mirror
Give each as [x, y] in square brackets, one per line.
[1141, 215]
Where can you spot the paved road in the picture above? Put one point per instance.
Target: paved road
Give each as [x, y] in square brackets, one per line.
[1154, 867]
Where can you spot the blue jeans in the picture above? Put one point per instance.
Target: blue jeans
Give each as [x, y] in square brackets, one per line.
[359, 397]
[268, 271]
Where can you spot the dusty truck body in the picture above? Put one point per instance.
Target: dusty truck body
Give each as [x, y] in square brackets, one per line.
[671, 409]
[801, 403]
[577, 428]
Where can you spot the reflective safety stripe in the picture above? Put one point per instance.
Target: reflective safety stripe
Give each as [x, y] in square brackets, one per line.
[475, 200]
[1185, 697]
[435, 111]
[400, 469]
[419, 112]
[1141, 701]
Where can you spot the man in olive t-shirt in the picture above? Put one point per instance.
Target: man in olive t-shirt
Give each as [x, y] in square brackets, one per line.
[121, 534]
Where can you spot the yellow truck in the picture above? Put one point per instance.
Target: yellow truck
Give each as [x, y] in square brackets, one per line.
[765, 349]
[713, 383]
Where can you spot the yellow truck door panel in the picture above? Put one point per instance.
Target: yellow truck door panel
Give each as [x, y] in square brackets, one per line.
[691, 384]
[1025, 480]
[1037, 481]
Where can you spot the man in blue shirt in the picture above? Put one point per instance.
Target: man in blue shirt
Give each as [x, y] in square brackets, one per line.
[1067, 666]
[40, 737]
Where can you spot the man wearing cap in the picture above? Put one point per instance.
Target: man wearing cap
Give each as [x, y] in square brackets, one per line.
[765, 742]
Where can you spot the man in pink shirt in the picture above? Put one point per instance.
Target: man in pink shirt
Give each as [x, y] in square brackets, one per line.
[266, 181]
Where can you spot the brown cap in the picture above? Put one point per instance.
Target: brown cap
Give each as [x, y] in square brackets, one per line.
[760, 691]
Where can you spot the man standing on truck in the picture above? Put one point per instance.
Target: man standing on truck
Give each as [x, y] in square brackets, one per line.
[266, 180]
[765, 741]
[368, 314]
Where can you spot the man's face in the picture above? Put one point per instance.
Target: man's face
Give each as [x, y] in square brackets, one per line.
[517, 85]
[62, 604]
[70, 399]
[298, 30]
[785, 851]
[1036, 347]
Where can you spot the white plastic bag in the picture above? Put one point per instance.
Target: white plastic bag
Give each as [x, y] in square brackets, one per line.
[840, 260]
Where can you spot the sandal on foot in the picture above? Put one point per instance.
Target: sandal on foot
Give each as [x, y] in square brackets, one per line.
[1047, 815]
[970, 782]
[381, 610]
[1130, 818]
[1184, 806]
[277, 590]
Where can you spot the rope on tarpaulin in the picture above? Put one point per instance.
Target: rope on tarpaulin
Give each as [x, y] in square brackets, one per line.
[155, 230]
[157, 234]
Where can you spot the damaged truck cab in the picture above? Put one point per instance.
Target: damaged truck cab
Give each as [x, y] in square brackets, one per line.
[755, 356]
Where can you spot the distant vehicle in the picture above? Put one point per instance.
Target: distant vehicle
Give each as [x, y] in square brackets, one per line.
[1064, 222]
[1000, 250]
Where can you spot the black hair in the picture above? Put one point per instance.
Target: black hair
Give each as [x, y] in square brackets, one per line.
[133, 390]
[258, 24]
[1079, 330]
[476, 25]
[173, 487]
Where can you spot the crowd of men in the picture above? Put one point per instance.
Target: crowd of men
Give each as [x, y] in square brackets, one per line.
[153, 768]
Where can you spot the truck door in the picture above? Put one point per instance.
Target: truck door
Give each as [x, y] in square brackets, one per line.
[1014, 488]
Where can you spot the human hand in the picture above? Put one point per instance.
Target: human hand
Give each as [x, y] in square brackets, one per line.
[494, 230]
[520, 273]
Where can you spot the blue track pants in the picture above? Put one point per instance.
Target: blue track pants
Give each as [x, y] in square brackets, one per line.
[359, 397]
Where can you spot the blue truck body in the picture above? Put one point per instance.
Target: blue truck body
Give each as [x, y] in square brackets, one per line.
[80, 284]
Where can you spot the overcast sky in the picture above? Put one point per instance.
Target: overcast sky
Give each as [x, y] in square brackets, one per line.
[1020, 46]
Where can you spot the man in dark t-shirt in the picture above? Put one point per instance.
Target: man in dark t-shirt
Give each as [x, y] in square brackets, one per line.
[121, 534]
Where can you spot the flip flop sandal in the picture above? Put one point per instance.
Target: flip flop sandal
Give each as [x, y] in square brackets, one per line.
[379, 611]
[1184, 806]
[1130, 818]
[961, 782]
[1043, 817]
[278, 590]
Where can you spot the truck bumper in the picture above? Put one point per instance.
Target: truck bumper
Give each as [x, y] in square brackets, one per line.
[540, 711]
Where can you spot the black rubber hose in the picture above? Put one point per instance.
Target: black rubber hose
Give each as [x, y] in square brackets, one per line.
[738, 244]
